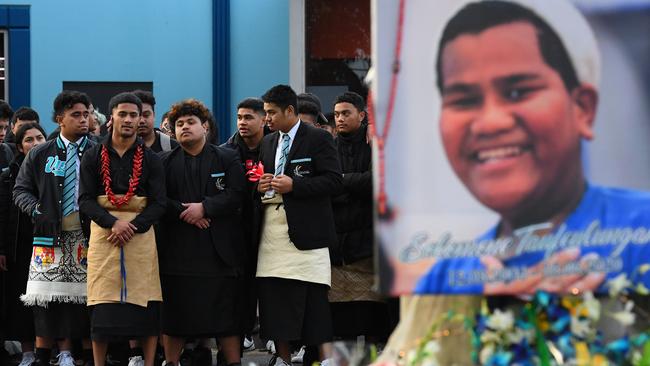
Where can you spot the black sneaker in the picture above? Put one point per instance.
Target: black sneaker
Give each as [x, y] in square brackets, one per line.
[112, 361]
[5, 358]
[159, 359]
[277, 361]
[201, 356]
[186, 357]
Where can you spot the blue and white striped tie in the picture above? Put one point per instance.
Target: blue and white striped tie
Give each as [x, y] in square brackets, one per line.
[70, 182]
[279, 169]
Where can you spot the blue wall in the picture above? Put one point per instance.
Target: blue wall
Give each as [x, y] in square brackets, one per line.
[168, 42]
[259, 48]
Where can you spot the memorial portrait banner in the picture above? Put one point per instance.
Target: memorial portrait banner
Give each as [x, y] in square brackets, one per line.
[517, 157]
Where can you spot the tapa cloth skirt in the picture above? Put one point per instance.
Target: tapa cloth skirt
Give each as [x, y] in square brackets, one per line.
[139, 283]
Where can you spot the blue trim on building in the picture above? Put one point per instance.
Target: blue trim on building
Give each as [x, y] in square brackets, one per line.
[19, 67]
[19, 16]
[4, 16]
[221, 66]
[15, 18]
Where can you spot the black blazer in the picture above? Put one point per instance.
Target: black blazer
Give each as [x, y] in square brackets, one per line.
[313, 165]
[223, 191]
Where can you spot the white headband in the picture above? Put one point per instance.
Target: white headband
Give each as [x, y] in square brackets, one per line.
[575, 33]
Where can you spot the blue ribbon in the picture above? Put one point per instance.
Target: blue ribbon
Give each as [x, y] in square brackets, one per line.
[543, 298]
[640, 339]
[621, 345]
[500, 358]
[123, 291]
[559, 325]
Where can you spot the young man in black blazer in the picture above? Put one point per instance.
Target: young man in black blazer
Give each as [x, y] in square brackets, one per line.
[302, 172]
[201, 245]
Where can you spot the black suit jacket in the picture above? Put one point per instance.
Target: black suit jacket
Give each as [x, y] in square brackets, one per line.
[223, 189]
[313, 165]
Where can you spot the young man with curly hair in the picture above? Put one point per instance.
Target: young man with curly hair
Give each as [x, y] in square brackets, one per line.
[201, 242]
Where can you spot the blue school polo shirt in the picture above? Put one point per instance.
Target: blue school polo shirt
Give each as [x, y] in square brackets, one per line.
[613, 223]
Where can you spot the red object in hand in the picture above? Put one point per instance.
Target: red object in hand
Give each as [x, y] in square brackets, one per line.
[256, 172]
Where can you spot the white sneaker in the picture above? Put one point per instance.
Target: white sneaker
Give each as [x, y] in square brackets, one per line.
[177, 364]
[136, 361]
[249, 345]
[65, 359]
[12, 347]
[270, 345]
[298, 357]
[28, 359]
[327, 362]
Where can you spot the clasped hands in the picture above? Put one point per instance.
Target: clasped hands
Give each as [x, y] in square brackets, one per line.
[281, 183]
[194, 214]
[123, 231]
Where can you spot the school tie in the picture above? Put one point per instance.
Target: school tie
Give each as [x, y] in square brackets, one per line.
[69, 183]
[279, 169]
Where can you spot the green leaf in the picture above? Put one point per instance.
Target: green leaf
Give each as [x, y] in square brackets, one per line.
[645, 358]
[540, 343]
[373, 353]
[641, 289]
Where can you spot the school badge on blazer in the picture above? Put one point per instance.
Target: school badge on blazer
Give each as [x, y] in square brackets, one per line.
[302, 167]
[219, 180]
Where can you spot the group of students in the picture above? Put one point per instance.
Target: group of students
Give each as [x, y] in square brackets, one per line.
[135, 234]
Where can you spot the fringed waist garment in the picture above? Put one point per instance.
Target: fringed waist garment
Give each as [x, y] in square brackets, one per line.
[58, 273]
[123, 275]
